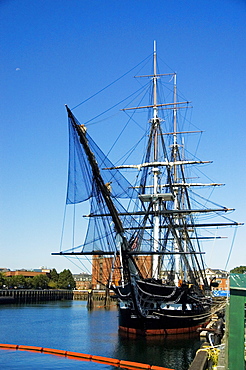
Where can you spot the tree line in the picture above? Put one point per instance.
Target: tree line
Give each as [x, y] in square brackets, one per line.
[53, 280]
[239, 270]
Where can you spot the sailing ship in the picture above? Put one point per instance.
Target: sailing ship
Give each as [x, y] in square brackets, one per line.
[148, 227]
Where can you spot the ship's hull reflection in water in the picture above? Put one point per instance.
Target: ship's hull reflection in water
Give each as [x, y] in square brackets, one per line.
[173, 351]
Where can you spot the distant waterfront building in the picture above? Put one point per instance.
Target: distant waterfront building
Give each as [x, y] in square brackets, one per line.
[25, 273]
[83, 281]
[3, 269]
[47, 271]
[219, 276]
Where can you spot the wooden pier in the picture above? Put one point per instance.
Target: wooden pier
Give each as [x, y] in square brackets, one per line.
[34, 296]
[98, 295]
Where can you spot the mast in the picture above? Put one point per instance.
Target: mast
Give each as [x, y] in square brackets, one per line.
[175, 178]
[155, 171]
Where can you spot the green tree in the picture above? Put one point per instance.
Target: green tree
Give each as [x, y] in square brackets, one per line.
[54, 276]
[8, 281]
[40, 281]
[66, 280]
[239, 270]
[28, 283]
[2, 279]
[52, 284]
[17, 281]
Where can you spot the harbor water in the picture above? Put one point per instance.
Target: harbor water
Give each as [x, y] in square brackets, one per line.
[70, 326]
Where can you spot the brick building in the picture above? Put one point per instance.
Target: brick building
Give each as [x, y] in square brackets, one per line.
[106, 269]
[25, 273]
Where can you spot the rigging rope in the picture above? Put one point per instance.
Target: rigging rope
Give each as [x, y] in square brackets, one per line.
[63, 227]
[70, 259]
[130, 117]
[115, 105]
[104, 88]
[232, 244]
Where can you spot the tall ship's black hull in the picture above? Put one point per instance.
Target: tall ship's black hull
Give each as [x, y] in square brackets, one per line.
[153, 308]
[165, 323]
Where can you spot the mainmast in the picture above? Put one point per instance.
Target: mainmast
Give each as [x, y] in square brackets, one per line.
[156, 173]
[155, 170]
[175, 178]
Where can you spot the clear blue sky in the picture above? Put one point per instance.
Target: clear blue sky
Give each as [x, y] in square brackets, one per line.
[61, 52]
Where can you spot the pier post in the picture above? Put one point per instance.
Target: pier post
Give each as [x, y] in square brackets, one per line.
[90, 299]
[107, 298]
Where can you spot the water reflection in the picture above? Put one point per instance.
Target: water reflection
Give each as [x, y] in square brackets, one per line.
[69, 325]
[173, 351]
